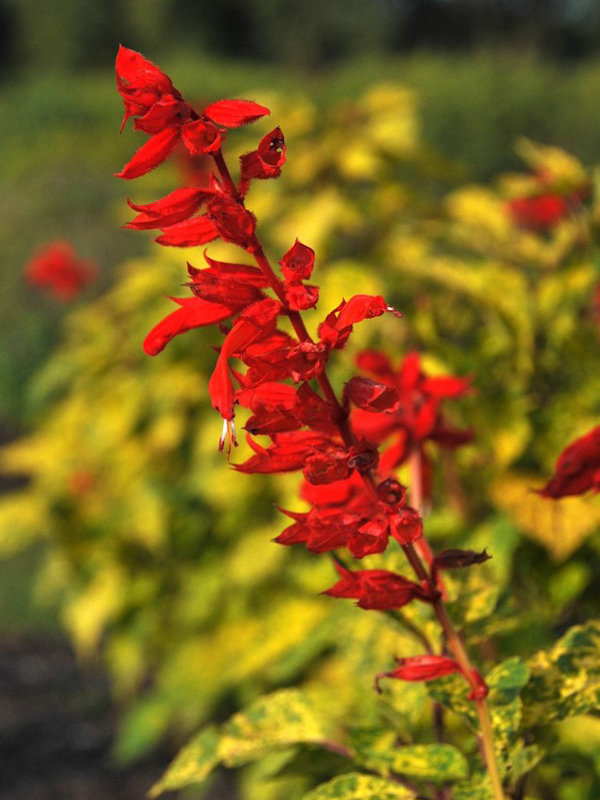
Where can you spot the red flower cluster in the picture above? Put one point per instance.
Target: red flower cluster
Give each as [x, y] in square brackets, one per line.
[412, 404]
[546, 207]
[57, 269]
[355, 502]
[577, 468]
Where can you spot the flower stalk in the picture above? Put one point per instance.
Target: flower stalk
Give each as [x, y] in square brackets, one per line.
[356, 502]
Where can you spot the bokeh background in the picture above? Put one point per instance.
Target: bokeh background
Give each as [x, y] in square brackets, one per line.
[400, 117]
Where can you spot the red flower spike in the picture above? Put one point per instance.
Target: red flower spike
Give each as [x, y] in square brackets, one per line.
[420, 668]
[193, 313]
[297, 264]
[406, 526]
[418, 417]
[376, 589]
[57, 269]
[543, 212]
[577, 468]
[233, 113]
[151, 154]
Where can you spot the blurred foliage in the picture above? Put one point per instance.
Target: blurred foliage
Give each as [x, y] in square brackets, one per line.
[58, 134]
[159, 555]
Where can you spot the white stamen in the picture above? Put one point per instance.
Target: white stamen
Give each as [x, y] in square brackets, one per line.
[223, 434]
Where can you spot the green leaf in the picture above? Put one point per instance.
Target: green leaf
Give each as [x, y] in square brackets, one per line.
[192, 765]
[566, 679]
[523, 759]
[284, 718]
[506, 681]
[359, 787]
[476, 788]
[376, 749]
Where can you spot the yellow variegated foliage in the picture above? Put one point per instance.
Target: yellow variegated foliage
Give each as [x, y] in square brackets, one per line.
[559, 526]
[160, 553]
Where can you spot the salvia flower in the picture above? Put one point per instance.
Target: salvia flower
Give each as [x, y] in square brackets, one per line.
[577, 468]
[57, 269]
[161, 112]
[269, 364]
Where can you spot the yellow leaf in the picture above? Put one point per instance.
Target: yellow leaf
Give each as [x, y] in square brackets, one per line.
[561, 526]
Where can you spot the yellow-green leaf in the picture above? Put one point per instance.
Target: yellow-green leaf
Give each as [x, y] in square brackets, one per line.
[192, 765]
[278, 720]
[359, 787]
[565, 680]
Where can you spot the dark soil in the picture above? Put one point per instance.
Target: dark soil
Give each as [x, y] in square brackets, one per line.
[57, 727]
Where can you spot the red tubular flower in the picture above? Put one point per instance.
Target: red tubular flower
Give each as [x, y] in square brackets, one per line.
[327, 466]
[337, 327]
[297, 264]
[417, 415]
[175, 207]
[286, 454]
[370, 395]
[577, 468]
[193, 313]
[420, 668]
[264, 162]
[254, 322]
[376, 589]
[161, 111]
[57, 269]
[541, 212]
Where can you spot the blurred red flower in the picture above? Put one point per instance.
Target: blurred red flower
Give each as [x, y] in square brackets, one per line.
[57, 269]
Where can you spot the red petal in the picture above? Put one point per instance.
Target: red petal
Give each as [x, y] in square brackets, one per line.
[151, 154]
[190, 233]
[200, 137]
[233, 113]
[194, 313]
[169, 210]
[132, 66]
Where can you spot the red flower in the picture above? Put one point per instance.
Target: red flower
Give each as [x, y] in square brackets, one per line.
[376, 589]
[541, 212]
[161, 112]
[297, 264]
[429, 668]
[264, 162]
[577, 468]
[412, 405]
[57, 269]
[221, 291]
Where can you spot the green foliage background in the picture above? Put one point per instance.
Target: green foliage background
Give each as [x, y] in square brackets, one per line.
[159, 556]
